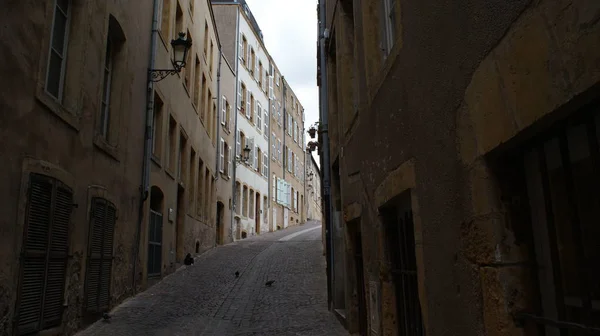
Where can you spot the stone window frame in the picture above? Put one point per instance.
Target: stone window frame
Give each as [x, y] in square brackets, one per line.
[64, 109]
[395, 183]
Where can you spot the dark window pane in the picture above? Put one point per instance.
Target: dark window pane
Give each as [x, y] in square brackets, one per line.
[54, 73]
[58, 33]
[63, 5]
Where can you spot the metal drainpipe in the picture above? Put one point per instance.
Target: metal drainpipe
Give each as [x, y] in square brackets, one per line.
[235, 125]
[325, 170]
[148, 140]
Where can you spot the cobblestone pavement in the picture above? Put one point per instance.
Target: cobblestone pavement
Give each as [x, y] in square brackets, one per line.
[207, 299]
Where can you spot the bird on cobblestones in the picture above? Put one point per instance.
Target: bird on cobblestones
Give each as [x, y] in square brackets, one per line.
[269, 283]
[188, 260]
[237, 274]
[106, 317]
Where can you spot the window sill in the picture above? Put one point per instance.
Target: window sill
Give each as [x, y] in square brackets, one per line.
[224, 176]
[69, 117]
[108, 149]
[156, 160]
[170, 174]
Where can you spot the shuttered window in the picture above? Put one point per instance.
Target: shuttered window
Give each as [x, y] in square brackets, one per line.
[100, 253]
[44, 254]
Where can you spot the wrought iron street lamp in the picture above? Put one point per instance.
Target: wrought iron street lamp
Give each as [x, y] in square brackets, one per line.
[181, 46]
[244, 157]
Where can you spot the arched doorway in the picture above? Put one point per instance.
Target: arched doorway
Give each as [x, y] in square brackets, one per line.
[155, 224]
[219, 226]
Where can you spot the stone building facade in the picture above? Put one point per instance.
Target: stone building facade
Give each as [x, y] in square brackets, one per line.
[226, 152]
[262, 121]
[464, 158]
[72, 129]
[181, 213]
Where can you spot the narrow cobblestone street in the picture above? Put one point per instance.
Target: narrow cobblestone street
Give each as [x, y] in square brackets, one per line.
[207, 299]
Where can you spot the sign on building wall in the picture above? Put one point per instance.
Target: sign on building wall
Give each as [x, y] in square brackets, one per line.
[374, 307]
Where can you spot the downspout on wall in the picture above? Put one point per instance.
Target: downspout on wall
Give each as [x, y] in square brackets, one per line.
[235, 123]
[219, 102]
[324, 135]
[144, 188]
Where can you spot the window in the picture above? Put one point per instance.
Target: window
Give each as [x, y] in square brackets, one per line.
[389, 10]
[279, 114]
[279, 151]
[241, 96]
[245, 202]
[157, 123]
[249, 101]
[238, 140]
[271, 94]
[58, 49]
[273, 147]
[257, 158]
[171, 143]
[265, 212]
[165, 22]
[277, 78]
[258, 116]
[289, 159]
[205, 38]
[238, 198]
[260, 74]
[266, 123]
[197, 87]
[228, 166]
[203, 99]
[222, 156]
[224, 117]
[44, 254]
[178, 21]
[398, 224]
[229, 118]
[181, 158]
[274, 187]
[106, 90]
[295, 130]
[192, 179]
[187, 75]
[251, 205]
[253, 64]
[200, 188]
[289, 124]
[265, 165]
[100, 253]
[211, 57]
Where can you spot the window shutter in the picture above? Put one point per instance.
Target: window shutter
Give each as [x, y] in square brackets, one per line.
[44, 254]
[252, 153]
[258, 116]
[270, 87]
[249, 60]
[229, 166]
[241, 47]
[230, 124]
[222, 156]
[238, 142]
[103, 218]
[248, 104]
[223, 110]
[255, 155]
[256, 68]
[239, 93]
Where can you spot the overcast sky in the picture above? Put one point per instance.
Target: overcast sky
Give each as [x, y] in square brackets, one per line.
[290, 32]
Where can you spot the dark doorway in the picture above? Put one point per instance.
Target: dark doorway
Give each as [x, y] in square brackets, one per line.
[180, 225]
[257, 214]
[219, 226]
[356, 236]
[398, 220]
[155, 232]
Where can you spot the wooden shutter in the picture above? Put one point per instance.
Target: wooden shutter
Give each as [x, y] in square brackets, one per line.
[44, 254]
[100, 255]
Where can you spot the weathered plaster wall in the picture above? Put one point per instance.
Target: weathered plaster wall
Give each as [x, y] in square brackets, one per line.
[463, 78]
[39, 135]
